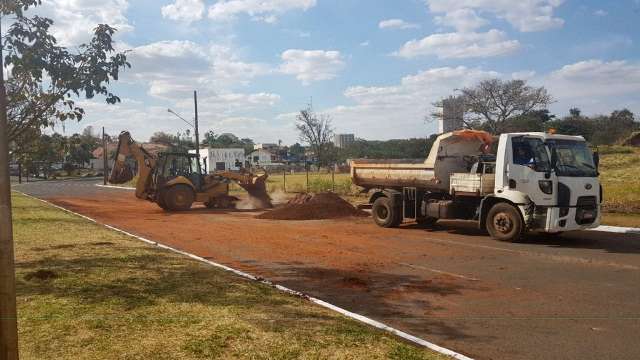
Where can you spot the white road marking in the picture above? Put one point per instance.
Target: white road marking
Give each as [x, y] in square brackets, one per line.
[439, 271]
[616, 229]
[115, 187]
[322, 303]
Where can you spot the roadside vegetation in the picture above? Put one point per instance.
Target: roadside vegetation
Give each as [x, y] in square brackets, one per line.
[619, 169]
[85, 292]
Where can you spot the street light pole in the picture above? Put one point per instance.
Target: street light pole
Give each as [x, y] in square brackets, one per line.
[195, 122]
[8, 314]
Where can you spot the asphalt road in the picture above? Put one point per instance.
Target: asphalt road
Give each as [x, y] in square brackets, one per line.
[571, 297]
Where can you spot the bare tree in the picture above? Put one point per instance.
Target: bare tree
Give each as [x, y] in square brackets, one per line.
[316, 130]
[493, 101]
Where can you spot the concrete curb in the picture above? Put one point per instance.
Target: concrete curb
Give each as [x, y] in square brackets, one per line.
[115, 187]
[347, 313]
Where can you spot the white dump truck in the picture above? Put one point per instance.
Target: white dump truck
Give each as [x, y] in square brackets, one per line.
[519, 182]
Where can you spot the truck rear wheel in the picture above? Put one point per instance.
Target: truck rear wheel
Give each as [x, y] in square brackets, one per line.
[504, 222]
[179, 198]
[385, 214]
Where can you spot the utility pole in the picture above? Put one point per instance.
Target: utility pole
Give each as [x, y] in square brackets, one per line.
[195, 122]
[105, 159]
[8, 314]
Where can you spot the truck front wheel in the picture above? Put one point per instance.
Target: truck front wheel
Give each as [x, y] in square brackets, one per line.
[504, 222]
[385, 214]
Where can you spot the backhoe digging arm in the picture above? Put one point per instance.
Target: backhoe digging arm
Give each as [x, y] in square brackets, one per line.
[122, 173]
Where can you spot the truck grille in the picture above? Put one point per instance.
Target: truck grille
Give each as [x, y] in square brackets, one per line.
[586, 210]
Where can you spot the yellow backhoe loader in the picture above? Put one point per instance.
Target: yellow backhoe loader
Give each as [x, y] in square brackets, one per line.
[175, 180]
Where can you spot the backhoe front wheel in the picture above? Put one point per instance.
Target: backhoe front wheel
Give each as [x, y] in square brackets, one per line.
[504, 222]
[178, 198]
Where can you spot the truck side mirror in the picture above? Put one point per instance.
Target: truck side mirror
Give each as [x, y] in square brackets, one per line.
[596, 159]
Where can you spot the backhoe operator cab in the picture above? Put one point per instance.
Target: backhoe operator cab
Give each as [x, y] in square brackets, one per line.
[535, 181]
[177, 182]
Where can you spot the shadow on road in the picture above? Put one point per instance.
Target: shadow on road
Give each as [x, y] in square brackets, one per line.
[410, 303]
[610, 242]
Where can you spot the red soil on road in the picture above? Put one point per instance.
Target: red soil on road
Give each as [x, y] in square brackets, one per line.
[452, 286]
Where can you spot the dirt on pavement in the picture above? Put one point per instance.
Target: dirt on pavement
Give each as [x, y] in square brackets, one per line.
[313, 207]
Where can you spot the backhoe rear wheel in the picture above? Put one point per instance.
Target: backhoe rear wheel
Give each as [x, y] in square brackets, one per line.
[179, 198]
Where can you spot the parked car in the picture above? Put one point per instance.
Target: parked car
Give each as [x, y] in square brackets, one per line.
[13, 169]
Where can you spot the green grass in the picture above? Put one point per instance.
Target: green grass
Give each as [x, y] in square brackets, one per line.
[318, 182]
[85, 292]
[620, 177]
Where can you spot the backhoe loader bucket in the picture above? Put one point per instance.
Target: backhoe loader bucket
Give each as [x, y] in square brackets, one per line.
[256, 187]
[120, 174]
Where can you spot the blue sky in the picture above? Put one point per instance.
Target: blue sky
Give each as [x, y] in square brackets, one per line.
[374, 66]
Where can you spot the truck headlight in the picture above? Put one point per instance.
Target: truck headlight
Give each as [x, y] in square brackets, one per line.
[546, 186]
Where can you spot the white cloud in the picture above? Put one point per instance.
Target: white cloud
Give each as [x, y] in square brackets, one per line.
[600, 12]
[311, 65]
[595, 86]
[398, 111]
[523, 75]
[524, 15]
[596, 78]
[463, 20]
[75, 20]
[460, 45]
[365, 43]
[184, 10]
[397, 24]
[173, 68]
[261, 10]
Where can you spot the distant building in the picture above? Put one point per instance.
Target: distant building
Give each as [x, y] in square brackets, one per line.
[343, 140]
[266, 146]
[263, 158]
[97, 162]
[452, 115]
[222, 159]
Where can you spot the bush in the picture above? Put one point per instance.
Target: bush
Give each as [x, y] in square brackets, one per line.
[614, 149]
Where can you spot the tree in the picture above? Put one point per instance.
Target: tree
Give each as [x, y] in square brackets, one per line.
[316, 130]
[209, 138]
[46, 78]
[535, 120]
[494, 101]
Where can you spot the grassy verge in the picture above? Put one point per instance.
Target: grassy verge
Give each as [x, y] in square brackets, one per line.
[618, 219]
[85, 292]
[619, 170]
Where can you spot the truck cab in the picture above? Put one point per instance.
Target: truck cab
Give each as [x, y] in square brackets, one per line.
[552, 179]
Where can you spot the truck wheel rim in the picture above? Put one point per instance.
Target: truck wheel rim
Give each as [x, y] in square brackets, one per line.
[502, 222]
[382, 213]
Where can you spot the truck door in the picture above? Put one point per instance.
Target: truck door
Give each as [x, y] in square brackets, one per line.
[528, 169]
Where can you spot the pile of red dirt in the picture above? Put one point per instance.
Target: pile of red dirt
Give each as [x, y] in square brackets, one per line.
[313, 207]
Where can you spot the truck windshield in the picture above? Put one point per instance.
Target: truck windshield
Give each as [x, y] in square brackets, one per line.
[573, 158]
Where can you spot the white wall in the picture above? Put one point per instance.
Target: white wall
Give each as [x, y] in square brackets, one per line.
[228, 156]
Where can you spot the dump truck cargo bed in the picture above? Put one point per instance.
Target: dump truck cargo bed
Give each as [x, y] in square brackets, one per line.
[394, 174]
